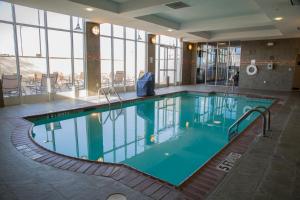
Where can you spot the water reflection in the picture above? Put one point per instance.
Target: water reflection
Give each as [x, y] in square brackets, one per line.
[144, 134]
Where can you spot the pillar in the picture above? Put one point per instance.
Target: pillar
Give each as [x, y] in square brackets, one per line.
[93, 58]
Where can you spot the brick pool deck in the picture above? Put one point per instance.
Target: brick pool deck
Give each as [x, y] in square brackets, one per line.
[134, 184]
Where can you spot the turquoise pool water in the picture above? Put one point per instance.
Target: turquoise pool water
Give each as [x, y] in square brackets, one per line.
[169, 137]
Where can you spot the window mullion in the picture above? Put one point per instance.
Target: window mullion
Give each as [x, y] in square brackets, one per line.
[72, 51]
[124, 56]
[47, 44]
[135, 53]
[112, 56]
[16, 48]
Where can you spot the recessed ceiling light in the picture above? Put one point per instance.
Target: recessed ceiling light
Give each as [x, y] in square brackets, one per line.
[89, 9]
[278, 18]
[170, 30]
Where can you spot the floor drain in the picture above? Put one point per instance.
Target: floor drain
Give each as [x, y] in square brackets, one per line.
[117, 196]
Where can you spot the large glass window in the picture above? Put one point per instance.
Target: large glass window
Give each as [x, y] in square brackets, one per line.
[128, 55]
[168, 60]
[32, 59]
[8, 68]
[106, 63]
[27, 15]
[130, 62]
[78, 60]
[60, 59]
[56, 20]
[141, 58]
[105, 29]
[218, 63]
[30, 33]
[5, 11]
[119, 73]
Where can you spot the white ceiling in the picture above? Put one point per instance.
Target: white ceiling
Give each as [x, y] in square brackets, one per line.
[204, 20]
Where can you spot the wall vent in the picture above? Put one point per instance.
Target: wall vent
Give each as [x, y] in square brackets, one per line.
[177, 5]
[295, 2]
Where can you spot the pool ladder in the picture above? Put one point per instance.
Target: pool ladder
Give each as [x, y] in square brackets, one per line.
[107, 92]
[266, 124]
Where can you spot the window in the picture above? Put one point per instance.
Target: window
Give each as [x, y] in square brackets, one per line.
[118, 31]
[105, 29]
[119, 73]
[77, 24]
[32, 59]
[168, 60]
[130, 62]
[106, 63]
[31, 42]
[141, 58]
[27, 15]
[60, 59]
[5, 11]
[141, 35]
[128, 58]
[130, 33]
[7, 50]
[56, 20]
[78, 60]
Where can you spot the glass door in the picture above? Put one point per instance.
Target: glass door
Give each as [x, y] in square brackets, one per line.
[167, 69]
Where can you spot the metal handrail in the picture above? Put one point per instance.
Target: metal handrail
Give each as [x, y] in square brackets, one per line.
[101, 90]
[109, 91]
[269, 115]
[245, 115]
[114, 90]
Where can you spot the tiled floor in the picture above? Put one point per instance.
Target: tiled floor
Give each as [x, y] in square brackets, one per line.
[23, 178]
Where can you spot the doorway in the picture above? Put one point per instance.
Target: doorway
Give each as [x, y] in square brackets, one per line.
[167, 63]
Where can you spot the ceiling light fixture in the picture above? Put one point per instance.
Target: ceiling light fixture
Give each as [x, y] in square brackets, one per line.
[278, 18]
[89, 9]
[170, 30]
[78, 28]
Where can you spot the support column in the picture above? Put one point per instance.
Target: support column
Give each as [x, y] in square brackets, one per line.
[93, 59]
[189, 59]
[151, 53]
[1, 95]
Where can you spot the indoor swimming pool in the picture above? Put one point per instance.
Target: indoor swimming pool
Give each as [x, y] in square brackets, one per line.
[168, 137]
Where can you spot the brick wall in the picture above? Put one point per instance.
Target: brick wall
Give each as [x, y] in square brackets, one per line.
[283, 55]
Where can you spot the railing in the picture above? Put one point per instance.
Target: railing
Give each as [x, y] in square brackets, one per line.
[245, 115]
[107, 95]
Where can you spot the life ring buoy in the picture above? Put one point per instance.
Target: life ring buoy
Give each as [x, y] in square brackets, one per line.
[251, 70]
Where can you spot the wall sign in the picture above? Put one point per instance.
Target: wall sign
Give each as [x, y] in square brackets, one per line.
[229, 161]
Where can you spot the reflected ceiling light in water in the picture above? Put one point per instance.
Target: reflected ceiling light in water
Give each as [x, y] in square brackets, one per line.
[167, 154]
[94, 114]
[187, 124]
[217, 122]
[100, 159]
[52, 126]
[152, 138]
